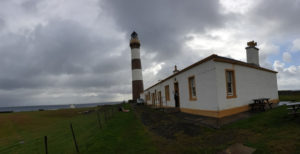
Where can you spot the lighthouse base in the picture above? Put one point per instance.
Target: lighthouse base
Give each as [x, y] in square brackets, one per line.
[137, 89]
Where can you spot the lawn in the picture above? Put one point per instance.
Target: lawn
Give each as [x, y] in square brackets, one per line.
[289, 95]
[24, 132]
[273, 131]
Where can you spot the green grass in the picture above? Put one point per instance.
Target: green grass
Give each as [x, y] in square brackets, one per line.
[273, 131]
[289, 97]
[24, 133]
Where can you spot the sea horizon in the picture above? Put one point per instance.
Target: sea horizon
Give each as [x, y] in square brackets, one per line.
[53, 106]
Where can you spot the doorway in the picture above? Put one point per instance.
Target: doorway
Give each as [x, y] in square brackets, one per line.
[153, 99]
[159, 99]
[176, 95]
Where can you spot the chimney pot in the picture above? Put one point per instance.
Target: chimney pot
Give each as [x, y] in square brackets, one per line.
[252, 53]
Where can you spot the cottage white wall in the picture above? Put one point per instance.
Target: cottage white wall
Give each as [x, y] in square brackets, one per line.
[161, 87]
[250, 84]
[205, 77]
[171, 102]
[206, 91]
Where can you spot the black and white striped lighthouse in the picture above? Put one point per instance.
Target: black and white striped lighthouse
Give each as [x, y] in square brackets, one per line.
[136, 67]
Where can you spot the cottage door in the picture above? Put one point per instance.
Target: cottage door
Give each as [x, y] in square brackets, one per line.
[176, 94]
[159, 98]
[153, 99]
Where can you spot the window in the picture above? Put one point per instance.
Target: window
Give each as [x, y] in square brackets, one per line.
[167, 92]
[230, 84]
[192, 88]
[148, 96]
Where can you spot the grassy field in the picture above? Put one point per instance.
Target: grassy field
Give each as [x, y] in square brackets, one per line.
[289, 95]
[273, 131]
[24, 132]
[289, 98]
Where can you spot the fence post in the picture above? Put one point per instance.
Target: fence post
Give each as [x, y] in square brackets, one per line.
[105, 116]
[74, 139]
[108, 115]
[99, 120]
[46, 144]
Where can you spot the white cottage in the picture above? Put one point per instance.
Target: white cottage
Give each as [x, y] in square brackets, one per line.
[215, 86]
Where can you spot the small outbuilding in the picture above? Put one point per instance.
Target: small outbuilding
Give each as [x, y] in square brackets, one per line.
[215, 86]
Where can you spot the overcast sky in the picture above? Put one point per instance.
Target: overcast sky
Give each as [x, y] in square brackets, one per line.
[76, 51]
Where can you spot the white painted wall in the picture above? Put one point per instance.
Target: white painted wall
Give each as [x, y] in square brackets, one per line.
[205, 87]
[161, 87]
[210, 83]
[250, 84]
[211, 87]
[205, 77]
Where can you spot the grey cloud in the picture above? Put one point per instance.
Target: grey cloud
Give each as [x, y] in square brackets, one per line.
[285, 14]
[70, 58]
[62, 54]
[2, 24]
[162, 25]
[99, 80]
[288, 77]
[63, 47]
[30, 5]
[111, 64]
[16, 97]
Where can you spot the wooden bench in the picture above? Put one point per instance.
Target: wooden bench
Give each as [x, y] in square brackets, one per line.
[257, 107]
[259, 104]
[293, 108]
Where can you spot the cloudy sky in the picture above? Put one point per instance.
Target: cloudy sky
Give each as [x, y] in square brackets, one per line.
[76, 51]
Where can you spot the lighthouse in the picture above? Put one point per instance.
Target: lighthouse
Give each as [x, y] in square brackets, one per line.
[136, 67]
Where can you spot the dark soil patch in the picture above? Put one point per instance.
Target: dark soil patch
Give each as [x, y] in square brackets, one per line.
[169, 124]
[176, 132]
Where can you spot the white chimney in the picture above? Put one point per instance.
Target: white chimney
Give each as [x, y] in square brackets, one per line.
[252, 53]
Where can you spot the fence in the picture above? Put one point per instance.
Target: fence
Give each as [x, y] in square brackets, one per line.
[72, 132]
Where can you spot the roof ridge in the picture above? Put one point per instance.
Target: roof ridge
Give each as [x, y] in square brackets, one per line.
[216, 58]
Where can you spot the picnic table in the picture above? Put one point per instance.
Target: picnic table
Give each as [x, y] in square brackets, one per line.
[259, 104]
[293, 108]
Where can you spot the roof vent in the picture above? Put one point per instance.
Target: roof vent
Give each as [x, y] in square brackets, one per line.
[175, 69]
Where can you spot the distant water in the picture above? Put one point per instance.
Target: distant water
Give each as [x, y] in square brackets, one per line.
[52, 107]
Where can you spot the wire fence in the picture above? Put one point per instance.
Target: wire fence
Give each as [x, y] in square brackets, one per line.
[72, 132]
